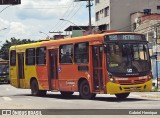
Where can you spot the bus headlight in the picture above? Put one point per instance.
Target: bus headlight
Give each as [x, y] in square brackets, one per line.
[110, 77]
[150, 76]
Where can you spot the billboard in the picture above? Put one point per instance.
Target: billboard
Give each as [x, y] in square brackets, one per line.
[10, 2]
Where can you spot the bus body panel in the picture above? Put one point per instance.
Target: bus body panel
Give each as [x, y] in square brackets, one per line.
[113, 88]
[42, 75]
[30, 72]
[69, 76]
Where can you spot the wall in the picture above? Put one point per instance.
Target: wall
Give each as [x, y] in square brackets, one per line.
[120, 11]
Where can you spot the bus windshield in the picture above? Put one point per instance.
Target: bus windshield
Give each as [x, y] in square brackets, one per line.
[128, 58]
[4, 69]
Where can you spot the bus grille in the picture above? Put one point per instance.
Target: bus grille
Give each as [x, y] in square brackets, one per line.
[127, 89]
[129, 82]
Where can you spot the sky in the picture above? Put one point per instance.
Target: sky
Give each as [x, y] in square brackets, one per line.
[26, 20]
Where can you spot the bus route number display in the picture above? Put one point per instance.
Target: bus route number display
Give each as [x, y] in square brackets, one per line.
[124, 37]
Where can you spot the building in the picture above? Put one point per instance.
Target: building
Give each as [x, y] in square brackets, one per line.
[115, 14]
[59, 36]
[149, 24]
[75, 31]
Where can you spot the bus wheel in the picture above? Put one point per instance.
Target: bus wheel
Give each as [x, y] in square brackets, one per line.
[84, 90]
[42, 93]
[35, 89]
[66, 93]
[122, 95]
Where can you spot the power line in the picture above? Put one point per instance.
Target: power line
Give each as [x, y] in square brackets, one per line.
[72, 11]
[72, 15]
[62, 17]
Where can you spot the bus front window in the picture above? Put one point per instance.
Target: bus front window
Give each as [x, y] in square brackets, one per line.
[128, 58]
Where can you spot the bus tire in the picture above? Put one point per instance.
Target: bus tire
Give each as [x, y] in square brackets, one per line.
[122, 95]
[35, 89]
[84, 90]
[66, 93]
[42, 92]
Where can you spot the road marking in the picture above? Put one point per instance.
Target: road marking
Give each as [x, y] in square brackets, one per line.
[7, 98]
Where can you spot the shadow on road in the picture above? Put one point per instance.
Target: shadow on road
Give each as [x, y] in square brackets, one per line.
[76, 97]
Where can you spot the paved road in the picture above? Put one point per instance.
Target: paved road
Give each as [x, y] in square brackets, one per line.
[13, 98]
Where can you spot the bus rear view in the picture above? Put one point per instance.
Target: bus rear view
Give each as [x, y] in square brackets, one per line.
[128, 64]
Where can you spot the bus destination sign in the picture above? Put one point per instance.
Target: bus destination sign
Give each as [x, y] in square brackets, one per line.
[115, 37]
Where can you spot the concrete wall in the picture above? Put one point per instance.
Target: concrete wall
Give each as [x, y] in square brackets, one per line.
[120, 11]
[103, 4]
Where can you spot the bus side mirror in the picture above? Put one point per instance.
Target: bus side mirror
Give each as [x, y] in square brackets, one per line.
[153, 57]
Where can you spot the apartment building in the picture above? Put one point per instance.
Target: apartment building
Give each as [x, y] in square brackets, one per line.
[116, 14]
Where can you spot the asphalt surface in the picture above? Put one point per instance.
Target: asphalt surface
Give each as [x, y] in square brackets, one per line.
[13, 98]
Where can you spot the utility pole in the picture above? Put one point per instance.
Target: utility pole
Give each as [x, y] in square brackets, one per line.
[89, 9]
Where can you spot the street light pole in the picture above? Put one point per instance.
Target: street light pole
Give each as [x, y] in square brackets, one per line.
[72, 23]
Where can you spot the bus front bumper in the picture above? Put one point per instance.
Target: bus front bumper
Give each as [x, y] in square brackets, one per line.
[114, 88]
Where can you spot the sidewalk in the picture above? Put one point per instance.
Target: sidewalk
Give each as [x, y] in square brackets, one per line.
[148, 94]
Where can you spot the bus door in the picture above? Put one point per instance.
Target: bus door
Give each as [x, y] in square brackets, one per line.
[53, 72]
[97, 68]
[21, 80]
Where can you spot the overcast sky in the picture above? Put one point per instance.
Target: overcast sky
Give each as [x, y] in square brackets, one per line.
[26, 20]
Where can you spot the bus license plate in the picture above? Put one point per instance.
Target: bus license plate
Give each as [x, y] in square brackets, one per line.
[133, 88]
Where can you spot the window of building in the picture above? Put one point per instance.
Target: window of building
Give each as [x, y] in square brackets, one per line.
[158, 7]
[30, 56]
[66, 53]
[97, 16]
[106, 13]
[97, 1]
[13, 58]
[107, 26]
[41, 56]
[81, 54]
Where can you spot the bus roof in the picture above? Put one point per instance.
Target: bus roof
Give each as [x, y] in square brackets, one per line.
[67, 40]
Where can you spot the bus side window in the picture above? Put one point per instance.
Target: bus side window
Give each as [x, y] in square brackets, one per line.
[41, 56]
[30, 56]
[13, 58]
[66, 53]
[81, 53]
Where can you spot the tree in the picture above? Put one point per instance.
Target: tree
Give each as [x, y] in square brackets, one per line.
[4, 52]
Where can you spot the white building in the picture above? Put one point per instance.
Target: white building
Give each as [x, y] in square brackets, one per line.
[116, 14]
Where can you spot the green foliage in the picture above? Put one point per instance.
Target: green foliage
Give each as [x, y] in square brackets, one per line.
[4, 51]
